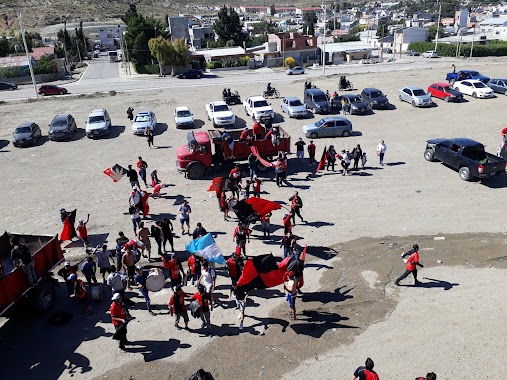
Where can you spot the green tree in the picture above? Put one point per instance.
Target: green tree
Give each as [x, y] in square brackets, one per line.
[139, 49]
[229, 27]
[46, 65]
[182, 56]
[132, 12]
[162, 50]
[382, 30]
[432, 32]
[310, 19]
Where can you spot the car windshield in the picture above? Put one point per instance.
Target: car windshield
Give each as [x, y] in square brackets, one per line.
[450, 88]
[418, 92]
[320, 98]
[142, 118]
[96, 119]
[260, 103]
[295, 103]
[59, 123]
[376, 94]
[474, 73]
[184, 113]
[354, 99]
[221, 108]
[319, 123]
[23, 130]
[479, 85]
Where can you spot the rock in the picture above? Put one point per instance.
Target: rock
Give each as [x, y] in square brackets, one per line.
[382, 242]
[439, 238]
[439, 261]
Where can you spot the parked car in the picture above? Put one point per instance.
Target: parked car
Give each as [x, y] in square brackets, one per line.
[220, 114]
[183, 118]
[98, 123]
[415, 96]
[465, 155]
[317, 101]
[293, 107]
[374, 98]
[296, 70]
[191, 74]
[7, 86]
[387, 50]
[356, 104]
[465, 75]
[474, 88]
[445, 91]
[49, 89]
[26, 134]
[430, 54]
[142, 121]
[498, 85]
[328, 127]
[258, 108]
[62, 127]
[412, 53]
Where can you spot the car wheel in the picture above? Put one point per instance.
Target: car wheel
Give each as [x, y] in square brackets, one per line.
[446, 99]
[61, 92]
[184, 76]
[198, 77]
[314, 110]
[400, 97]
[314, 135]
[345, 133]
[413, 103]
[474, 95]
[195, 170]
[464, 174]
[42, 94]
[429, 155]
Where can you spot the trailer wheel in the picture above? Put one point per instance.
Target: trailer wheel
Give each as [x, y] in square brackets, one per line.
[195, 170]
[44, 296]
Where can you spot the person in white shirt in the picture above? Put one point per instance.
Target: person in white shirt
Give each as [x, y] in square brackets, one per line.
[346, 159]
[381, 151]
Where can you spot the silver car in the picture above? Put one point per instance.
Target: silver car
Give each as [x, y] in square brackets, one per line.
[293, 107]
[415, 96]
[328, 127]
[142, 121]
[498, 85]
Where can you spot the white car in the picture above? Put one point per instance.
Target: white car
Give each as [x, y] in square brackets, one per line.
[183, 118]
[474, 88]
[98, 123]
[293, 107]
[430, 54]
[220, 114]
[142, 121]
[258, 108]
[296, 70]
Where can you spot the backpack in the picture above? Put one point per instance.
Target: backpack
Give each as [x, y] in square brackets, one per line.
[195, 309]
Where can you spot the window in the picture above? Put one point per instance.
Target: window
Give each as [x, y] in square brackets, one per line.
[455, 148]
[109, 35]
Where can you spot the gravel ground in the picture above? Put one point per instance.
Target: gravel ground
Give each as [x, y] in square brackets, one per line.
[407, 197]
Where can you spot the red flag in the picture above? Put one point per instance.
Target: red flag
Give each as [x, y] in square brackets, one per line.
[255, 151]
[216, 185]
[144, 198]
[116, 172]
[262, 206]
[261, 272]
[303, 254]
[322, 162]
[68, 230]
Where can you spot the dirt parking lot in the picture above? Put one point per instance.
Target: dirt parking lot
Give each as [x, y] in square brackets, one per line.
[406, 197]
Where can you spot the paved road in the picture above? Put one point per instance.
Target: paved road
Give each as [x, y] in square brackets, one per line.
[99, 71]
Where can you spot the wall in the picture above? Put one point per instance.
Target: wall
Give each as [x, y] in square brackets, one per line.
[39, 79]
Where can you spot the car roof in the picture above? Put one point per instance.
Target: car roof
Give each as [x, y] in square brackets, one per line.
[334, 118]
[413, 87]
[61, 116]
[98, 111]
[462, 141]
[444, 84]
[371, 89]
[472, 81]
[182, 108]
[219, 103]
[292, 98]
[350, 96]
[502, 79]
[24, 125]
[315, 91]
[257, 97]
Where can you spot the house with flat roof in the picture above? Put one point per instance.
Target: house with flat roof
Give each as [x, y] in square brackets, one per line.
[298, 46]
[19, 62]
[340, 52]
[494, 27]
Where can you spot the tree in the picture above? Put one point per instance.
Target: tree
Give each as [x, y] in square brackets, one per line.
[310, 19]
[132, 12]
[46, 65]
[432, 32]
[272, 10]
[139, 49]
[289, 62]
[162, 50]
[4, 47]
[382, 30]
[228, 26]
[182, 56]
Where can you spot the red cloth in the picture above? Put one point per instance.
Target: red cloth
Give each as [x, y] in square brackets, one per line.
[216, 185]
[172, 300]
[257, 186]
[287, 223]
[255, 151]
[191, 264]
[245, 230]
[156, 190]
[174, 269]
[232, 266]
[323, 160]
[223, 201]
[68, 230]
[412, 260]
[144, 198]
[234, 173]
[117, 311]
[82, 231]
[257, 128]
[262, 206]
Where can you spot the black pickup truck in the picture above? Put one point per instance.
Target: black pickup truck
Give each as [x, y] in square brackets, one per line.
[465, 155]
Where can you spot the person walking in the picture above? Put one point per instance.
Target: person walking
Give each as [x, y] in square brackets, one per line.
[133, 177]
[184, 210]
[135, 217]
[253, 162]
[300, 148]
[240, 296]
[89, 268]
[364, 159]
[224, 204]
[311, 152]
[174, 267]
[140, 281]
[280, 168]
[366, 372]
[241, 234]
[206, 306]
[256, 186]
[296, 206]
[411, 264]
[194, 268]
[117, 281]
[266, 224]
[287, 225]
[357, 154]
[158, 235]
[346, 159]
[141, 168]
[235, 268]
[429, 376]
[177, 307]
[119, 320]
[257, 130]
[150, 136]
[103, 256]
[129, 265]
[331, 158]
[130, 114]
[381, 151]
[143, 235]
[290, 286]
[22, 257]
[288, 243]
[199, 231]
[167, 230]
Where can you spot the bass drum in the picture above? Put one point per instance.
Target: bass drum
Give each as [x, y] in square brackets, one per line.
[155, 280]
[97, 292]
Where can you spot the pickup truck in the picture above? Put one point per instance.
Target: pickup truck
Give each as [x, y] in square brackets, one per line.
[47, 254]
[220, 114]
[258, 108]
[197, 155]
[466, 74]
[465, 155]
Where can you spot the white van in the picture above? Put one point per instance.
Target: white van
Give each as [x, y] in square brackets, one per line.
[98, 123]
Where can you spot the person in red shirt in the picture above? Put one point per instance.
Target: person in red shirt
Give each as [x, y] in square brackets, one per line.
[256, 187]
[81, 295]
[235, 267]
[82, 231]
[311, 152]
[174, 272]
[257, 130]
[119, 320]
[177, 307]
[206, 308]
[287, 225]
[245, 135]
[241, 234]
[194, 267]
[224, 204]
[411, 264]
[235, 177]
[141, 168]
[429, 376]
[366, 372]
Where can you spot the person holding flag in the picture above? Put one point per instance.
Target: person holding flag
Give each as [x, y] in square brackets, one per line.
[241, 234]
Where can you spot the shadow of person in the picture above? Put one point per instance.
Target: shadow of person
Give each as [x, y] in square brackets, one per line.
[315, 323]
[269, 322]
[156, 349]
[77, 364]
[437, 284]
[327, 297]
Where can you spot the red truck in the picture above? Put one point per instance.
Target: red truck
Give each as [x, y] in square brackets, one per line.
[47, 254]
[196, 156]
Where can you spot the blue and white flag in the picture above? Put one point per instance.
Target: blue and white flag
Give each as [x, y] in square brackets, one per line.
[207, 248]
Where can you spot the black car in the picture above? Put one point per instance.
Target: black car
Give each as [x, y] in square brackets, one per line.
[374, 98]
[26, 134]
[7, 86]
[356, 105]
[62, 127]
[191, 74]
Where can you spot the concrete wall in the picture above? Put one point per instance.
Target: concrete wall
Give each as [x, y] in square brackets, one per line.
[39, 78]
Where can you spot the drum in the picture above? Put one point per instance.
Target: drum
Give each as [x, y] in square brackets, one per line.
[155, 280]
[97, 292]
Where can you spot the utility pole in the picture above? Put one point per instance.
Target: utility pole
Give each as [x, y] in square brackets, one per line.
[78, 50]
[438, 25]
[472, 47]
[127, 66]
[324, 43]
[20, 18]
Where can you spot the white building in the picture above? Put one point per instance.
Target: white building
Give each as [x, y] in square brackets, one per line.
[109, 34]
[403, 38]
[494, 27]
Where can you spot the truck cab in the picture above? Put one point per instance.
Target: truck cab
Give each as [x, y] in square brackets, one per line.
[195, 156]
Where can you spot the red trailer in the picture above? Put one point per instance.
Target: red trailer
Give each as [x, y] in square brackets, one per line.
[206, 148]
[47, 254]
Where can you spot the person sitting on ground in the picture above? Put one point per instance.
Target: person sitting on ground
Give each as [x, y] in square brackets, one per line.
[154, 178]
[366, 372]
[429, 376]
[201, 375]
[229, 92]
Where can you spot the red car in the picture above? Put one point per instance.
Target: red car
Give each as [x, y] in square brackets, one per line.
[52, 90]
[445, 91]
